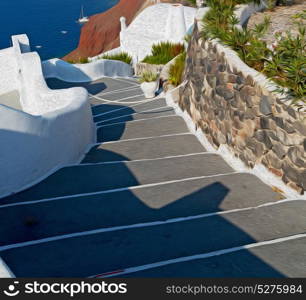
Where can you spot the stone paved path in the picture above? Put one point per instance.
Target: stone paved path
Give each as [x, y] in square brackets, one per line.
[148, 200]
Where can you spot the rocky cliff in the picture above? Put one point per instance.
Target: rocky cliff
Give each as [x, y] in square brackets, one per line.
[101, 33]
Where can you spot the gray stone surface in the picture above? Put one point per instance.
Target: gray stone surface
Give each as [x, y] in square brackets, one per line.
[131, 80]
[101, 177]
[98, 100]
[156, 203]
[133, 93]
[145, 149]
[97, 87]
[132, 247]
[140, 129]
[286, 259]
[160, 112]
[104, 112]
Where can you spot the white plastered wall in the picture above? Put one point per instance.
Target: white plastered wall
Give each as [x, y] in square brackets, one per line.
[54, 129]
[156, 23]
[8, 71]
[91, 71]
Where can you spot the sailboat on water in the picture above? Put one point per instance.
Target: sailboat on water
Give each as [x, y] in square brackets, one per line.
[83, 19]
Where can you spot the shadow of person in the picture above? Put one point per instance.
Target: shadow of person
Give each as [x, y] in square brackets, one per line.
[187, 234]
[93, 87]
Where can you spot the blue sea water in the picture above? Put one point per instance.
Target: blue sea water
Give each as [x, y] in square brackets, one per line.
[44, 20]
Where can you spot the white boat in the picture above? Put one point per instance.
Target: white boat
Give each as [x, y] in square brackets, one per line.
[83, 19]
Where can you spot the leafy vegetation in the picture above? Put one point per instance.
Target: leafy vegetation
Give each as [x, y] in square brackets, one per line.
[301, 15]
[285, 64]
[148, 76]
[193, 2]
[81, 60]
[187, 38]
[186, 2]
[163, 52]
[177, 69]
[122, 56]
[248, 44]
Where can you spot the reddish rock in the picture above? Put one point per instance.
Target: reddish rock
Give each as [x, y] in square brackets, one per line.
[101, 33]
[276, 172]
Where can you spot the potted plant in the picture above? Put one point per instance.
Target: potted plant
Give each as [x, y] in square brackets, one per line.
[149, 83]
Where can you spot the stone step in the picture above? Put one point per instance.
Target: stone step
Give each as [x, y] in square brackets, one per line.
[109, 251]
[100, 177]
[132, 80]
[106, 111]
[133, 93]
[141, 129]
[98, 87]
[144, 149]
[159, 112]
[281, 259]
[142, 205]
[127, 101]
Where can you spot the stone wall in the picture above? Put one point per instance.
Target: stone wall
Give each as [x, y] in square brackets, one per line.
[144, 67]
[234, 105]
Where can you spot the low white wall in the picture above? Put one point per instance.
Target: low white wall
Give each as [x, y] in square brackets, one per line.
[55, 128]
[35, 146]
[94, 70]
[8, 71]
[35, 96]
[242, 12]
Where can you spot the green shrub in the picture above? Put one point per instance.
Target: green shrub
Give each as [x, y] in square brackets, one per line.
[187, 38]
[148, 76]
[271, 4]
[176, 70]
[163, 52]
[301, 15]
[285, 64]
[220, 17]
[122, 56]
[83, 60]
